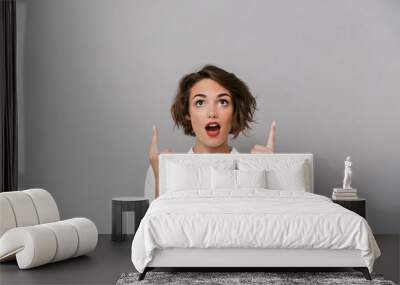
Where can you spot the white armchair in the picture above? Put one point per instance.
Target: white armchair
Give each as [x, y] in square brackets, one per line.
[31, 230]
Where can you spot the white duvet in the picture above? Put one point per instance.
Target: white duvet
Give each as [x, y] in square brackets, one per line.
[251, 218]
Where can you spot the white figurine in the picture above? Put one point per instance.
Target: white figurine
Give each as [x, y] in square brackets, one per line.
[347, 174]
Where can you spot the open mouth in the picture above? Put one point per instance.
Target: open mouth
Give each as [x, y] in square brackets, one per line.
[212, 129]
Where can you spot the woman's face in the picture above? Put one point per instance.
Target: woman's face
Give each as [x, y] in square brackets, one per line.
[210, 112]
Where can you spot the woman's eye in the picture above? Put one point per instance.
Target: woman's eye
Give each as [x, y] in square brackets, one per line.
[224, 102]
[199, 103]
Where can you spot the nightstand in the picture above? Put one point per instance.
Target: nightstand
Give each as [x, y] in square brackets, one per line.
[138, 205]
[356, 205]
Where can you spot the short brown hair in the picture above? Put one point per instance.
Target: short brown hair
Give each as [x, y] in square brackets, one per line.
[244, 103]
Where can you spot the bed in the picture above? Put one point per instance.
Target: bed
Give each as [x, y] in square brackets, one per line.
[245, 211]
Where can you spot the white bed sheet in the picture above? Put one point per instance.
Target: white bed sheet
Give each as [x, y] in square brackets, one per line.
[250, 218]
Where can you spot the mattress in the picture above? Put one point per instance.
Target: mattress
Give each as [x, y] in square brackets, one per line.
[250, 219]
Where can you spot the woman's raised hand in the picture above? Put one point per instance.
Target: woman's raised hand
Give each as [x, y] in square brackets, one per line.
[270, 146]
[154, 153]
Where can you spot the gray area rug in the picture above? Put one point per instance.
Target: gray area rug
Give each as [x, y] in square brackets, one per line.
[226, 278]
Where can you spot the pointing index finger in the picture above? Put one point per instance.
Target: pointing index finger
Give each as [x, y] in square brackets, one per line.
[271, 137]
[154, 140]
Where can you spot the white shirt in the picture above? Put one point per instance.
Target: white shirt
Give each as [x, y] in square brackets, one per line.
[150, 184]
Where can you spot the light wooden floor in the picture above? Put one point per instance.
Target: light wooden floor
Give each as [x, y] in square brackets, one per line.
[110, 260]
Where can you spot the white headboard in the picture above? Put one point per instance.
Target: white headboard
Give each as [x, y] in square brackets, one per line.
[212, 158]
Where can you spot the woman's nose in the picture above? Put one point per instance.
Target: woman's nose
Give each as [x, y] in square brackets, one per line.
[212, 114]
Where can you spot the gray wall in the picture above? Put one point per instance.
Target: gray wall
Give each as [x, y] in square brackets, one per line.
[98, 74]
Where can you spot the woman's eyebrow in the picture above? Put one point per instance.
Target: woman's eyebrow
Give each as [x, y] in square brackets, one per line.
[219, 95]
[199, 95]
[224, 94]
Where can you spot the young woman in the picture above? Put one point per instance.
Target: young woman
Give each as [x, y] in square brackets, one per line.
[210, 104]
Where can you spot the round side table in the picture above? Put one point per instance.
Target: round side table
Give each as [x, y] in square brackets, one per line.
[139, 205]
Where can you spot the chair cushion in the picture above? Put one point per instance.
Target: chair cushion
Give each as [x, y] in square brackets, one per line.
[23, 208]
[40, 244]
[32, 246]
[46, 207]
[87, 233]
[7, 216]
[27, 208]
[67, 239]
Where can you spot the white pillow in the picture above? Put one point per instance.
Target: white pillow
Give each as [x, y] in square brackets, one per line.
[223, 179]
[186, 177]
[188, 174]
[288, 179]
[251, 178]
[282, 174]
[236, 179]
